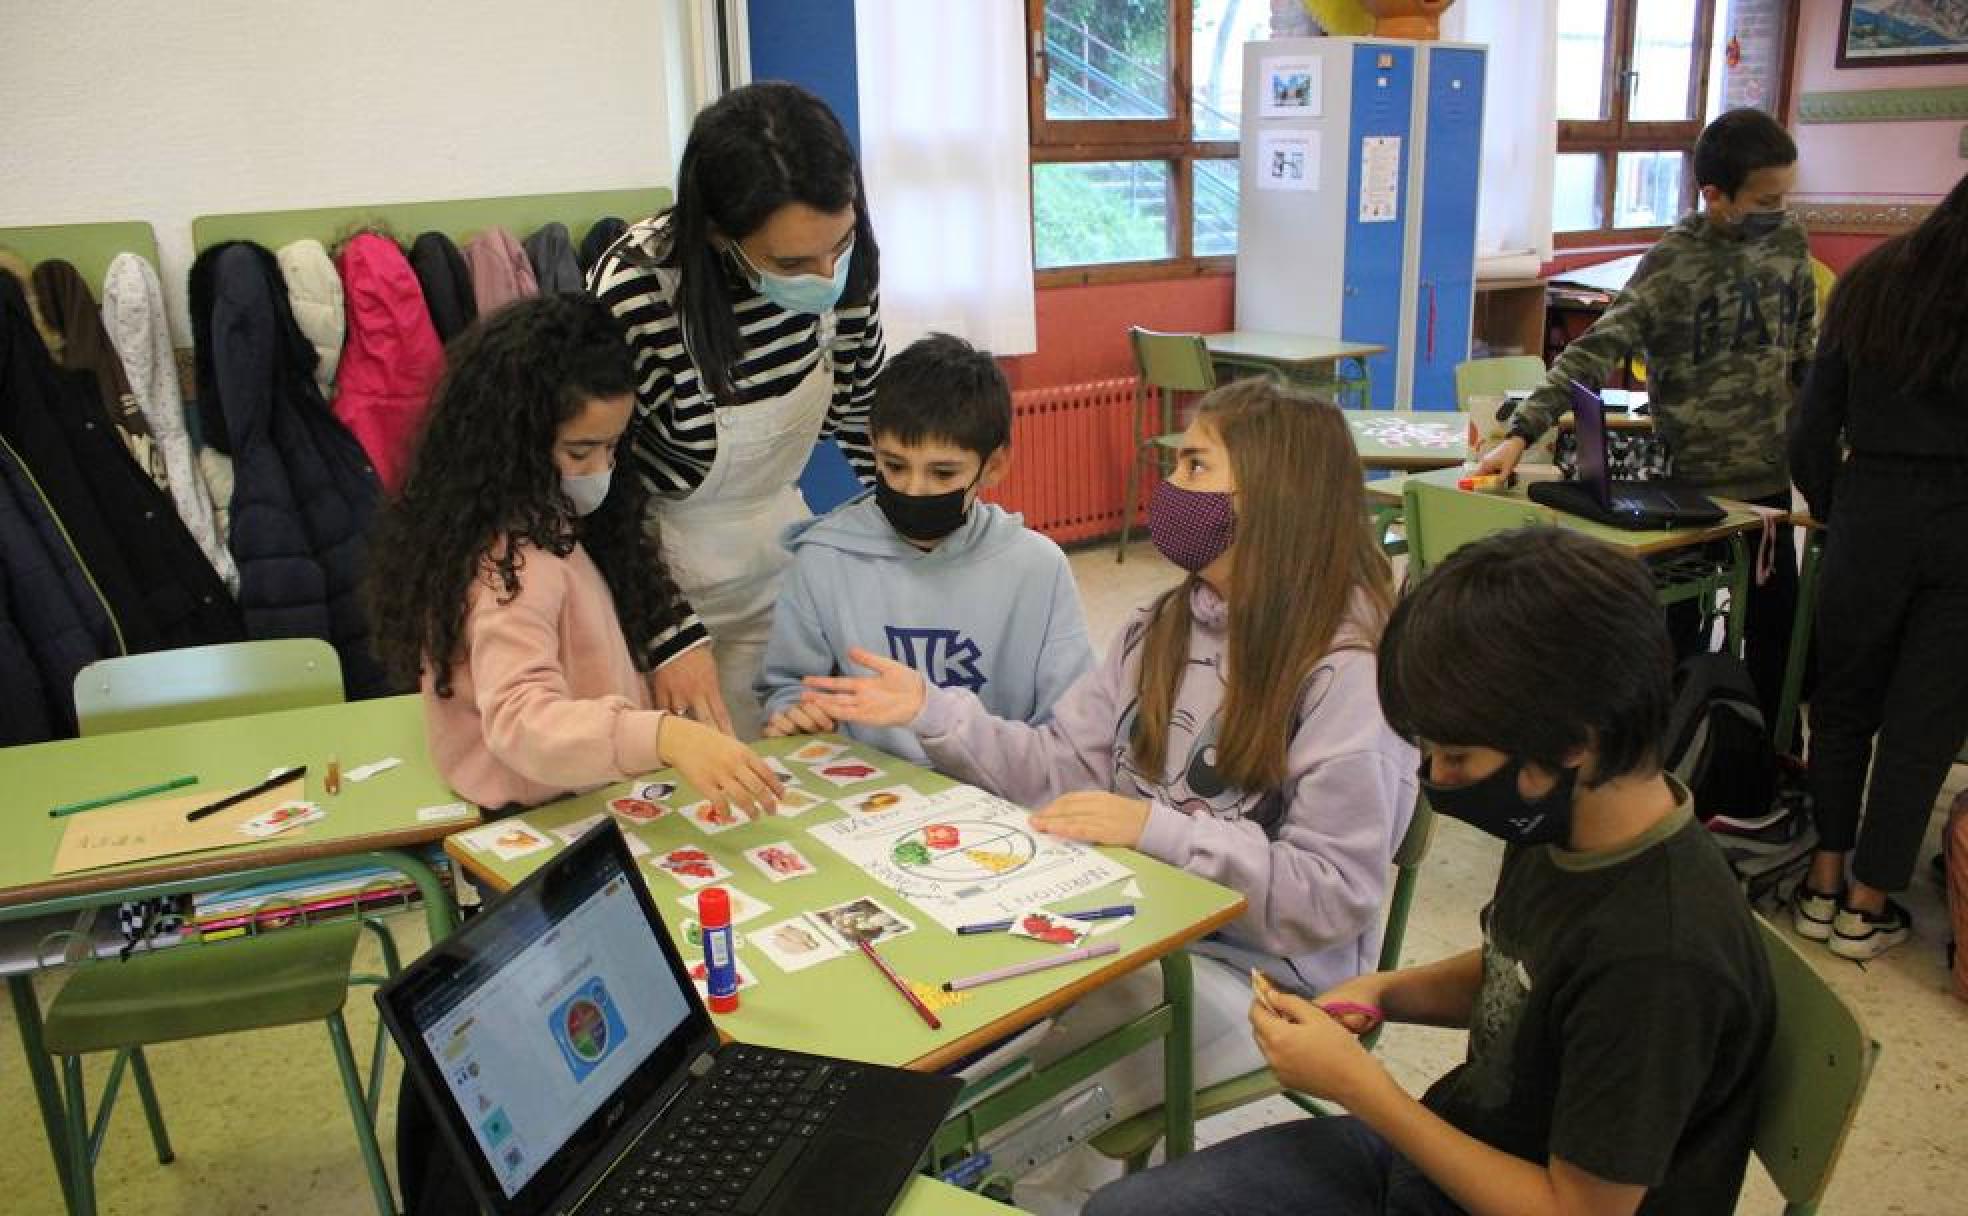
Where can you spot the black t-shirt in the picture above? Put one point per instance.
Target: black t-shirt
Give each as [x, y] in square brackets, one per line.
[1624, 1015]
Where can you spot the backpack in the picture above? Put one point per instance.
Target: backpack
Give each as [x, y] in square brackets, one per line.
[1718, 746]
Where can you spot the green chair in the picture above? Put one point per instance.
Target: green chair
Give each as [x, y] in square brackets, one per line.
[1441, 520]
[1169, 364]
[1813, 1080]
[291, 975]
[1495, 377]
[1134, 1138]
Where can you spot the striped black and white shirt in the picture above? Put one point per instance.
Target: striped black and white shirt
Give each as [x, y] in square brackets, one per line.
[674, 439]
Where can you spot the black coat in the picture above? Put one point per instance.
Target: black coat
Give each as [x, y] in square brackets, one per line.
[158, 587]
[447, 284]
[303, 492]
[604, 232]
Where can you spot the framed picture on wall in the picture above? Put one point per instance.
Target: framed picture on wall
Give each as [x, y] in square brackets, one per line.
[1902, 33]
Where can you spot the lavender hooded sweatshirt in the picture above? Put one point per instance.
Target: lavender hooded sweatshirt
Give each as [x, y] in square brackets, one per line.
[1311, 857]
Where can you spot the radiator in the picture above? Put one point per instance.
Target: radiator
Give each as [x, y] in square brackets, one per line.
[1070, 447]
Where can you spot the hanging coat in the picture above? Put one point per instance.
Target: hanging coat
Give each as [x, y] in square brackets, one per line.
[71, 309]
[447, 284]
[603, 233]
[12, 263]
[500, 272]
[393, 357]
[550, 252]
[133, 315]
[314, 291]
[157, 586]
[303, 492]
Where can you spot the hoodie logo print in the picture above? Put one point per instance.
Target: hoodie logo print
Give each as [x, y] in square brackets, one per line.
[945, 657]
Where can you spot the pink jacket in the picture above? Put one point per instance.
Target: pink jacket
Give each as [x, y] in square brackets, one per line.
[392, 358]
[500, 271]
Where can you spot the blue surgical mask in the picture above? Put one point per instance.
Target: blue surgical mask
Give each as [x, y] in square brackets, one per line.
[810, 294]
[587, 491]
[1755, 225]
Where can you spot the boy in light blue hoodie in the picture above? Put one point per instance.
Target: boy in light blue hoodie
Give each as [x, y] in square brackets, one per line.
[921, 571]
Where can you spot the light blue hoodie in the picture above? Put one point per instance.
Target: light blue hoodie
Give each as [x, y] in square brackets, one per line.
[992, 609]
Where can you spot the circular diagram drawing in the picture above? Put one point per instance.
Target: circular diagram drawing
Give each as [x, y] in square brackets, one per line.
[587, 1029]
[962, 851]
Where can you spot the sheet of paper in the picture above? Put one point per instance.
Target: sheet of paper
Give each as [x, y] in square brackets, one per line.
[1288, 160]
[1380, 179]
[156, 827]
[1288, 87]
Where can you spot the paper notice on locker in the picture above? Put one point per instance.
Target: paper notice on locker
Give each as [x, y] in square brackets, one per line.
[1288, 160]
[1380, 179]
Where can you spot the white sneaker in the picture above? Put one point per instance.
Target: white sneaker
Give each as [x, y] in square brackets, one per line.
[1812, 914]
[1859, 937]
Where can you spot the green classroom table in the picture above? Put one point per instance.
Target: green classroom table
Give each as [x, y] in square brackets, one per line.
[1408, 441]
[843, 1007]
[372, 822]
[1301, 358]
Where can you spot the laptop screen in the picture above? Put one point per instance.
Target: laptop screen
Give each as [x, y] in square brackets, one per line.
[1589, 417]
[543, 1008]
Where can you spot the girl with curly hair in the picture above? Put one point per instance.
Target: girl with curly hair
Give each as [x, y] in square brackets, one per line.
[512, 581]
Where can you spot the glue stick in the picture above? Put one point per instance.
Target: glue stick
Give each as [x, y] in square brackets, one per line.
[720, 960]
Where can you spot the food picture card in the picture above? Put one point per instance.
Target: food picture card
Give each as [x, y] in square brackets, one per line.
[796, 801]
[507, 841]
[638, 809]
[743, 906]
[848, 771]
[1050, 927]
[700, 975]
[711, 819]
[861, 920]
[786, 776]
[653, 791]
[874, 802]
[693, 868]
[779, 861]
[795, 944]
[281, 818]
[817, 752]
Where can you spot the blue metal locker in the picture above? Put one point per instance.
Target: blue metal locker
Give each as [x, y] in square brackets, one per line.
[1382, 107]
[1446, 287]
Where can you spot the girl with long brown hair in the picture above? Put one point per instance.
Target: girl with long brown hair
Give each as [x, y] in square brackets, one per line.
[1233, 730]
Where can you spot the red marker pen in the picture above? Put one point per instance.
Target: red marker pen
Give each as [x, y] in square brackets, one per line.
[720, 959]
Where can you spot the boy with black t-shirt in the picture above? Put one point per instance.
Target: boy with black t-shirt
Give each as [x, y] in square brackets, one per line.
[1620, 1006]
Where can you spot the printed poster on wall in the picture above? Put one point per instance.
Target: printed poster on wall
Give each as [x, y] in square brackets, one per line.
[1380, 179]
[1289, 87]
[1288, 160]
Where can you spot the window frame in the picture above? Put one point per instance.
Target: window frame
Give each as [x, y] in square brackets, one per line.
[1167, 140]
[1614, 132]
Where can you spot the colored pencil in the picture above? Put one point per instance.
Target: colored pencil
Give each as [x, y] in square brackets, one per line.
[142, 791]
[915, 1002]
[254, 791]
[1027, 968]
[999, 926]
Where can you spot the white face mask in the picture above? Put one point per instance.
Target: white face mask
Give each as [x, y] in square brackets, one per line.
[587, 491]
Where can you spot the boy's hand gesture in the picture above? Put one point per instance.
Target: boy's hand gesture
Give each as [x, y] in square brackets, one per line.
[1310, 1050]
[893, 696]
[797, 720]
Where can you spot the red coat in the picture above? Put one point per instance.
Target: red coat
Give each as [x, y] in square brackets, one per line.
[392, 358]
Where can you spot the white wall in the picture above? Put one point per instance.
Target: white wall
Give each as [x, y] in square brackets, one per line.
[161, 111]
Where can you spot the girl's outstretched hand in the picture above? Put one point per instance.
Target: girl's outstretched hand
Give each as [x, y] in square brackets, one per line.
[722, 769]
[893, 696]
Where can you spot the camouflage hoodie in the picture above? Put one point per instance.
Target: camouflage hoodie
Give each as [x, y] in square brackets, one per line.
[1727, 326]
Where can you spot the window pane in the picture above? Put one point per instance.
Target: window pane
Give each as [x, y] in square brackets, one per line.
[1663, 60]
[1107, 59]
[1575, 193]
[1101, 211]
[1647, 193]
[1217, 49]
[1215, 200]
[1581, 57]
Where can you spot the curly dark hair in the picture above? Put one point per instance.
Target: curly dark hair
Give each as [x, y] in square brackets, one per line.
[483, 474]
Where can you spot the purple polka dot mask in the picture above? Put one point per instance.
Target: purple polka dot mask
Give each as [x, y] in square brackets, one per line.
[1192, 528]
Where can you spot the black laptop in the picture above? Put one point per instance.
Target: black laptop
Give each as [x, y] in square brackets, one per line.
[1635, 505]
[573, 1069]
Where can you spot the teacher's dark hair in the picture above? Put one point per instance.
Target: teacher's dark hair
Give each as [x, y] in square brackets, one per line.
[751, 152]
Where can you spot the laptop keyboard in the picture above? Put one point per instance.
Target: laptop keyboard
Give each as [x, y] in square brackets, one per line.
[729, 1142]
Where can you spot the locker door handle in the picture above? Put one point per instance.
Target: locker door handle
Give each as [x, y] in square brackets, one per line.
[1430, 356]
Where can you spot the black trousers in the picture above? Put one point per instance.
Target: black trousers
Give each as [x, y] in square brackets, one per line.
[1892, 654]
[1766, 625]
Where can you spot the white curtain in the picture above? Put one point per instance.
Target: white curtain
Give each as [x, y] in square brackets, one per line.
[947, 160]
[1520, 120]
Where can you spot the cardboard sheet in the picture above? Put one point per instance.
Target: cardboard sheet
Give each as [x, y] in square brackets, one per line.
[156, 827]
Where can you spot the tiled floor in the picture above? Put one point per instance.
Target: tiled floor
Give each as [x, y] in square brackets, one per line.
[259, 1123]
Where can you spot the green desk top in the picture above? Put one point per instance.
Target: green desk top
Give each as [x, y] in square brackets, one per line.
[1408, 440]
[928, 1197]
[1646, 543]
[379, 813]
[1256, 346]
[843, 1006]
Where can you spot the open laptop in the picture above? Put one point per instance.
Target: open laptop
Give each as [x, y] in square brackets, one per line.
[572, 1068]
[1634, 505]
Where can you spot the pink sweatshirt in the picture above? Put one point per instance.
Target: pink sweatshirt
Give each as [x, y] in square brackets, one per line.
[546, 701]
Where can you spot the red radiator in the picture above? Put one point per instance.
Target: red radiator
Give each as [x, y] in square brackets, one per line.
[1070, 447]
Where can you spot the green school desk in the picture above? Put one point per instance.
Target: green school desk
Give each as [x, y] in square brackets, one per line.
[1301, 358]
[843, 1007]
[1408, 441]
[371, 822]
[1736, 528]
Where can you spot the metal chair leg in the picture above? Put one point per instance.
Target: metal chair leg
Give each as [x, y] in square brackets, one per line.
[365, 1130]
[82, 1171]
[153, 1110]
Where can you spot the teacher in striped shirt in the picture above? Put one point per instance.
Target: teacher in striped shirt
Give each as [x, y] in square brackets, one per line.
[751, 306]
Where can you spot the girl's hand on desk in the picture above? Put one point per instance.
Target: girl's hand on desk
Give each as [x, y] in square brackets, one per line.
[797, 720]
[893, 696]
[1095, 817]
[722, 769]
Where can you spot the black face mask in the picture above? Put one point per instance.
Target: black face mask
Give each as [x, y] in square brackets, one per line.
[923, 517]
[1496, 806]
